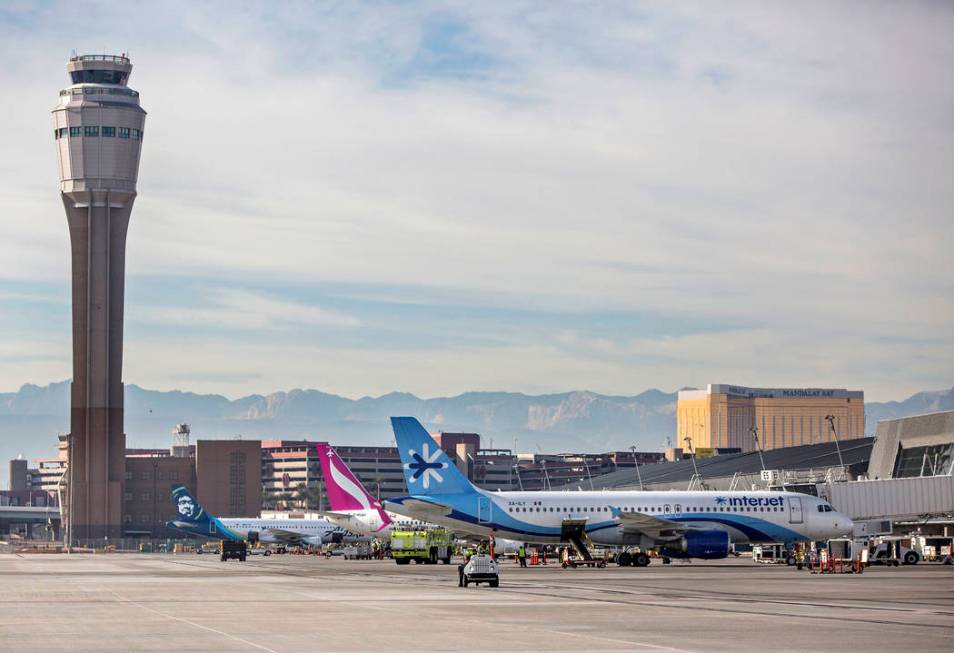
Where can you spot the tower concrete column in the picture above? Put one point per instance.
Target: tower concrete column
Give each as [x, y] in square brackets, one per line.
[98, 127]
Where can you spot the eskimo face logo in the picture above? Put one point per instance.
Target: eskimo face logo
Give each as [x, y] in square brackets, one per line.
[424, 465]
[720, 500]
[186, 506]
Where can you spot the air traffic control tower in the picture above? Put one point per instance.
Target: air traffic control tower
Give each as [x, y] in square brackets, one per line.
[98, 129]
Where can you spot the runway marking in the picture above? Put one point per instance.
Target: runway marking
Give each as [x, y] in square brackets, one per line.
[123, 599]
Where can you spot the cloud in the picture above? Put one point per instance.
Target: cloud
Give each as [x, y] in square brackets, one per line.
[782, 170]
[228, 308]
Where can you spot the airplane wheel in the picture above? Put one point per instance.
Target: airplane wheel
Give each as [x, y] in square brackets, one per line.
[641, 560]
[624, 559]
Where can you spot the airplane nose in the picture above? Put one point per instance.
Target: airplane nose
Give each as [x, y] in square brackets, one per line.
[844, 524]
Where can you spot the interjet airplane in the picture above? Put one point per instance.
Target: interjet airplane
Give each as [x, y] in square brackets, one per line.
[353, 507]
[194, 520]
[676, 524]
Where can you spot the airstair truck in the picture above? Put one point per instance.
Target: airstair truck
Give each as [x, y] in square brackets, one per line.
[425, 546]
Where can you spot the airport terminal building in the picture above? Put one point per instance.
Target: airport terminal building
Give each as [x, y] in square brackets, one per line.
[723, 416]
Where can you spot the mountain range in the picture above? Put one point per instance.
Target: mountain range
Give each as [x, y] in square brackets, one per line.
[572, 421]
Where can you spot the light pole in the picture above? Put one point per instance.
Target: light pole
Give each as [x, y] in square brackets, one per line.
[516, 469]
[636, 462]
[831, 423]
[588, 475]
[758, 445]
[695, 469]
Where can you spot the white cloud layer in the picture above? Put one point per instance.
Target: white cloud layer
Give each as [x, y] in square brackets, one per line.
[782, 167]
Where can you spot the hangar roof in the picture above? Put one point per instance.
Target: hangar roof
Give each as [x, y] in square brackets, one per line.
[854, 452]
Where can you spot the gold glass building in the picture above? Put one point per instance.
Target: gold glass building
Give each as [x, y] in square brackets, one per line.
[723, 416]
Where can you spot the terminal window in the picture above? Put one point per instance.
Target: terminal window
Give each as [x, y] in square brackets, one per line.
[933, 460]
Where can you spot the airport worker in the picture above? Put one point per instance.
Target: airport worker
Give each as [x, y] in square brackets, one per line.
[522, 555]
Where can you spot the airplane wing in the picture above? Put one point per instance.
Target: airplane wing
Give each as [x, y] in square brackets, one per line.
[654, 527]
[286, 536]
[332, 513]
[418, 509]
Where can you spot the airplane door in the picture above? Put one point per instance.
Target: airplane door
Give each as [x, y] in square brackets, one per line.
[795, 510]
[211, 527]
[484, 508]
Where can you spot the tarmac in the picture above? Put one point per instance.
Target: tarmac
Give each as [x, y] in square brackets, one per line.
[164, 602]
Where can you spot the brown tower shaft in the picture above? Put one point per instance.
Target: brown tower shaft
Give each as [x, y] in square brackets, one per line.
[98, 221]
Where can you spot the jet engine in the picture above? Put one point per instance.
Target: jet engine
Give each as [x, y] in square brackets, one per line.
[706, 544]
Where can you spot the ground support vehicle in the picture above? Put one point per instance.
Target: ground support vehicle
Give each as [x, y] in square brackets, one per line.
[894, 552]
[424, 546]
[633, 559]
[481, 568]
[234, 549]
[208, 547]
[358, 552]
[573, 563]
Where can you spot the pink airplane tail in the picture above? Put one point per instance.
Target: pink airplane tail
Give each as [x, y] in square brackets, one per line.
[345, 491]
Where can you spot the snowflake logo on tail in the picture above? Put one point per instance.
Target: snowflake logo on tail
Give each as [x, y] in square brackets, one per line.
[425, 466]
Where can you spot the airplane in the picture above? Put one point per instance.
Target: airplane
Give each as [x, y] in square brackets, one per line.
[194, 520]
[353, 507]
[676, 524]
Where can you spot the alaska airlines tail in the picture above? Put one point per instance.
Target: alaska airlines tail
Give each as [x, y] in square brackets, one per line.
[427, 469]
[345, 491]
[188, 508]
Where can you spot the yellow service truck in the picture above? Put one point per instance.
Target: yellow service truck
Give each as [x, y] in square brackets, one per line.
[426, 546]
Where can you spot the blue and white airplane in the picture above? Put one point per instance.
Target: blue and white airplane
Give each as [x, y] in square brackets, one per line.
[194, 520]
[677, 524]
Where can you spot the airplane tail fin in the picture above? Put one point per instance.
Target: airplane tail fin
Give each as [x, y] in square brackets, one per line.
[188, 509]
[427, 469]
[345, 491]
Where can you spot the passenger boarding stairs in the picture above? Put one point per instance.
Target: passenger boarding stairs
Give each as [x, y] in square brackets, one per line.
[574, 531]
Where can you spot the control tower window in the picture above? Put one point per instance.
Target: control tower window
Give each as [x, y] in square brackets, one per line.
[124, 132]
[64, 131]
[137, 134]
[99, 77]
[109, 132]
[90, 131]
[75, 131]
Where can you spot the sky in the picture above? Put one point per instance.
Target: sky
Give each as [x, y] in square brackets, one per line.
[525, 196]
